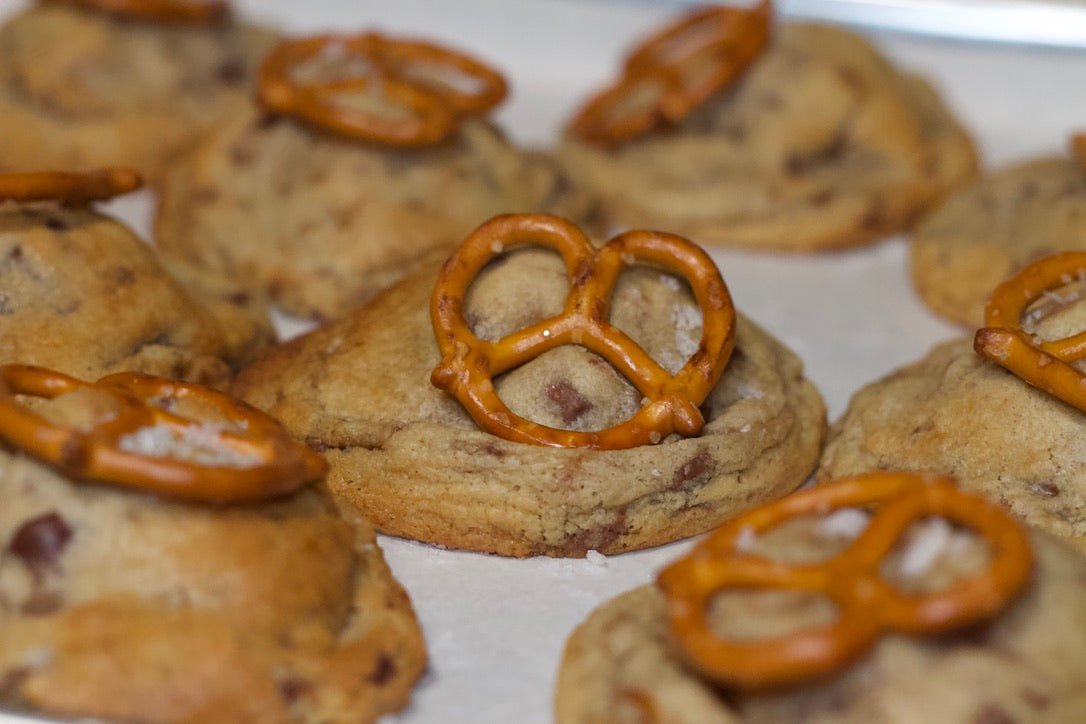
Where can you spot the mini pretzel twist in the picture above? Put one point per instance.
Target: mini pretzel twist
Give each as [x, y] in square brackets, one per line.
[167, 12]
[423, 78]
[279, 463]
[469, 365]
[674, 72]
[1004, 341]
[69, 188]
[867, 604]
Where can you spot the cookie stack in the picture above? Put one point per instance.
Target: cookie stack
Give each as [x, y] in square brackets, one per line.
[523, 353]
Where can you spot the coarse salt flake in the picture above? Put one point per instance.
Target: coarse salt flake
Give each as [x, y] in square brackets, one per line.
[596, 558]
[925, 547]
[845, 523]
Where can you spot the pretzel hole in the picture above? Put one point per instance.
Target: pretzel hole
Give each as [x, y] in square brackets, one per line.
[806, 540]
[1058, 313]
[499, 302]
[82, 409]
[443, 78]
[933, 554]
[658, 311]
[761, 613]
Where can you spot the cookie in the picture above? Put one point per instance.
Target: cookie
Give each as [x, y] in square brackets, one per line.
[821, 144]
[621, 665]
[320, 223]
[956, 412]
[123, 606]
[409, 458]
[80, 293]
[991, 230]
[81, 88]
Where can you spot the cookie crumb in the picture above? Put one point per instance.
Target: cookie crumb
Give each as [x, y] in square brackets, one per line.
[596, 558]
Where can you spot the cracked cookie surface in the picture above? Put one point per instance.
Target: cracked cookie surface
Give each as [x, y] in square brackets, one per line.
[621, 666]
[320, 224]
[81, 294]
[989, 232]
[409, 458]
[958, 413]
[123, 606]
[822, 144]
[81, 89]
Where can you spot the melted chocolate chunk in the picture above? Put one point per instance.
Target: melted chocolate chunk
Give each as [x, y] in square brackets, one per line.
[39, 542]
[571, 403]
[993, 714]
[384, 670]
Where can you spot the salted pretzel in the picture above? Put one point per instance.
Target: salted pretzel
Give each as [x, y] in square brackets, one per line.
[674, 72]
[69, 188]
[468, 365]
[419, 76]
[276, 464]
[867, 604]
[167, 12]
[1004, 341]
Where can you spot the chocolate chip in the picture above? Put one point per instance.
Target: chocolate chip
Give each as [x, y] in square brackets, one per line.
[384, 670]
[238, 298]
[571, 403]
[122, 276]
[56, 223]
[39, 542]
[12, 680]
[231, 72]
[16, 253]
[698, 466]
[824, 197]
[992, 714]
[494, 450]
[1048, 490]
[242, 155]
[1035, 699]
[206, 195]
[42, 603]
[293, 688]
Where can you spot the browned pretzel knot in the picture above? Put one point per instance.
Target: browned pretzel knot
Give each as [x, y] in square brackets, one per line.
[674, 72]
[1041, 364]
[425, 79]
[69, 188]
[866, 602]
[259, 458]
[169, 12]
[469, 365]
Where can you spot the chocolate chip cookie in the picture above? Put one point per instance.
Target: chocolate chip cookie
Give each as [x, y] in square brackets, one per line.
[621, 665]
[408, 457]
[81, 88]
[82, 294]
[122, 606]
[956, 412]
[994, 228]
[821, 144]
[320, 223]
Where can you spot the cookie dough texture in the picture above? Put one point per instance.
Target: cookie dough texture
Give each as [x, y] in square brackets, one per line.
[993, 229]
[1024, 667]
[408, 457]
[81, 294]
[321, 223]
[822, 144]
[81, 89]
[126, 607]
[956, 412]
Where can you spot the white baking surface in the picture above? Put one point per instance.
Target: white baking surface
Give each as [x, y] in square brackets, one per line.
[495, 627]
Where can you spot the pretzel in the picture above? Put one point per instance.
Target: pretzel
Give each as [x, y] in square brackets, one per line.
[674, 72]
[280, 464]
[1041, 364]
[1078, 149]
[69, 188]
[167, 12]
[399, 68]
[867, 604]
[469, 365]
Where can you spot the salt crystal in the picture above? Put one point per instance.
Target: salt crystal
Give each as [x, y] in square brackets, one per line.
[845, 523]
[596, 558]
[746, 428]
[201, 444]
[749, 392]
[746, 540]
[496, 247]
[670, 282]
[654, 437]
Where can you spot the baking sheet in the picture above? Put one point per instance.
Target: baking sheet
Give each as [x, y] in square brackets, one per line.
[495, 627]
